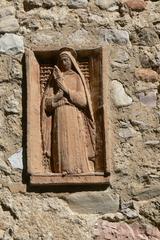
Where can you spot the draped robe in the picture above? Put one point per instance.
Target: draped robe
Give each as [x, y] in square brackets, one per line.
[68, 132]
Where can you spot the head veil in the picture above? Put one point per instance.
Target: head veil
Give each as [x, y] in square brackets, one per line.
[88, 112]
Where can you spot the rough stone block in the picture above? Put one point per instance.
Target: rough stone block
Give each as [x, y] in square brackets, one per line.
[11, 44]
[78, 3]
[124, 231]
[16, 160]
[107, 4]
[120, 98]
[8, 24]
[7, 11]
[116, 36]
[136, 5]
[147, 75]
[146, 193]
[149, 98]
[93, 202]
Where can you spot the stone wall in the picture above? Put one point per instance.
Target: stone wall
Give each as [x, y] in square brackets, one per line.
[130, 207]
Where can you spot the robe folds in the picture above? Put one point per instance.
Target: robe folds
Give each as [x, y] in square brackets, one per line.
[68, 131]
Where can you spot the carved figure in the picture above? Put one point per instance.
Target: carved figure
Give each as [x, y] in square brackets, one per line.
[67, 122]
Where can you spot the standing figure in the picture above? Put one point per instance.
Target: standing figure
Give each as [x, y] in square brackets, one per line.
[68, 129]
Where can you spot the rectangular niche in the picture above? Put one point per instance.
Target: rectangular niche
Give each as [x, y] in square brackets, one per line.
[94, 65]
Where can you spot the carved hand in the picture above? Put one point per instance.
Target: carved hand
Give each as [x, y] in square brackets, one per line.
[58, 96]
[62, 86]
[57, 74]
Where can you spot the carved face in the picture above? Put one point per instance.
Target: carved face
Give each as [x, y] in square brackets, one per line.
[65, 62]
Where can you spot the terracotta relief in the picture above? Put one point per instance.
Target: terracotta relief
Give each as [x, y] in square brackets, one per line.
[67, 124]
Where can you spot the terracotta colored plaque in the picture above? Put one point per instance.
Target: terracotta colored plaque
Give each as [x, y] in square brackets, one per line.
[68, 123]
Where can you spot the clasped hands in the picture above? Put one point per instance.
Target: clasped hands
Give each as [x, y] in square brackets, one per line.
[51, 103]
[58, 77]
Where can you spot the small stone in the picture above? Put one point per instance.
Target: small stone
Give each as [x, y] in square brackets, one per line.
[1, 234]
[126, 132]
[116, 36]
[78, 3]
[107, 4]
[149, 98]
[16, 160]
[119, 217]
[5, 66]
[120, 56]
[129, 213]
[140, 124]
[48, 3]
[16, 70]
[109, 217]
[120, 98]
[16, 187]
[146, 193]
[152, 142]
[136, 5]
[93, 202]
[3, 166]
[12, 105]
[128, 210]
[7, 11]
[147, 75]
[11, 44]
[147, 37]
[113, 217]
[9, 24]
[31, 4]
[79, 37]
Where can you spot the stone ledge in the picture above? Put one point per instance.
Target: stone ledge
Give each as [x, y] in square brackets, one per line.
[55, 179]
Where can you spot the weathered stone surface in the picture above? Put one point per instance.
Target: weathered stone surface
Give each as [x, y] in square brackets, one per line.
[93, 202]
[16, 70]
[57, 221]
[16, 160]
[9, 24]
[147, 75]
[113, 217]
[120, 98]
[147, 37]
[119, 231]
[127, 132]
[16, 187]
[7, 11]
[152, 143]
[78, 3]
[30, 4]
[11, 44]
[79, 37]
[136, 5]
[12, 105]
[107, 4]
[116, 36]
[150, 210]
[120, 56]
[149, 98]
[5, 66]
[130, 213]
[146, 193]
[4, 168]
